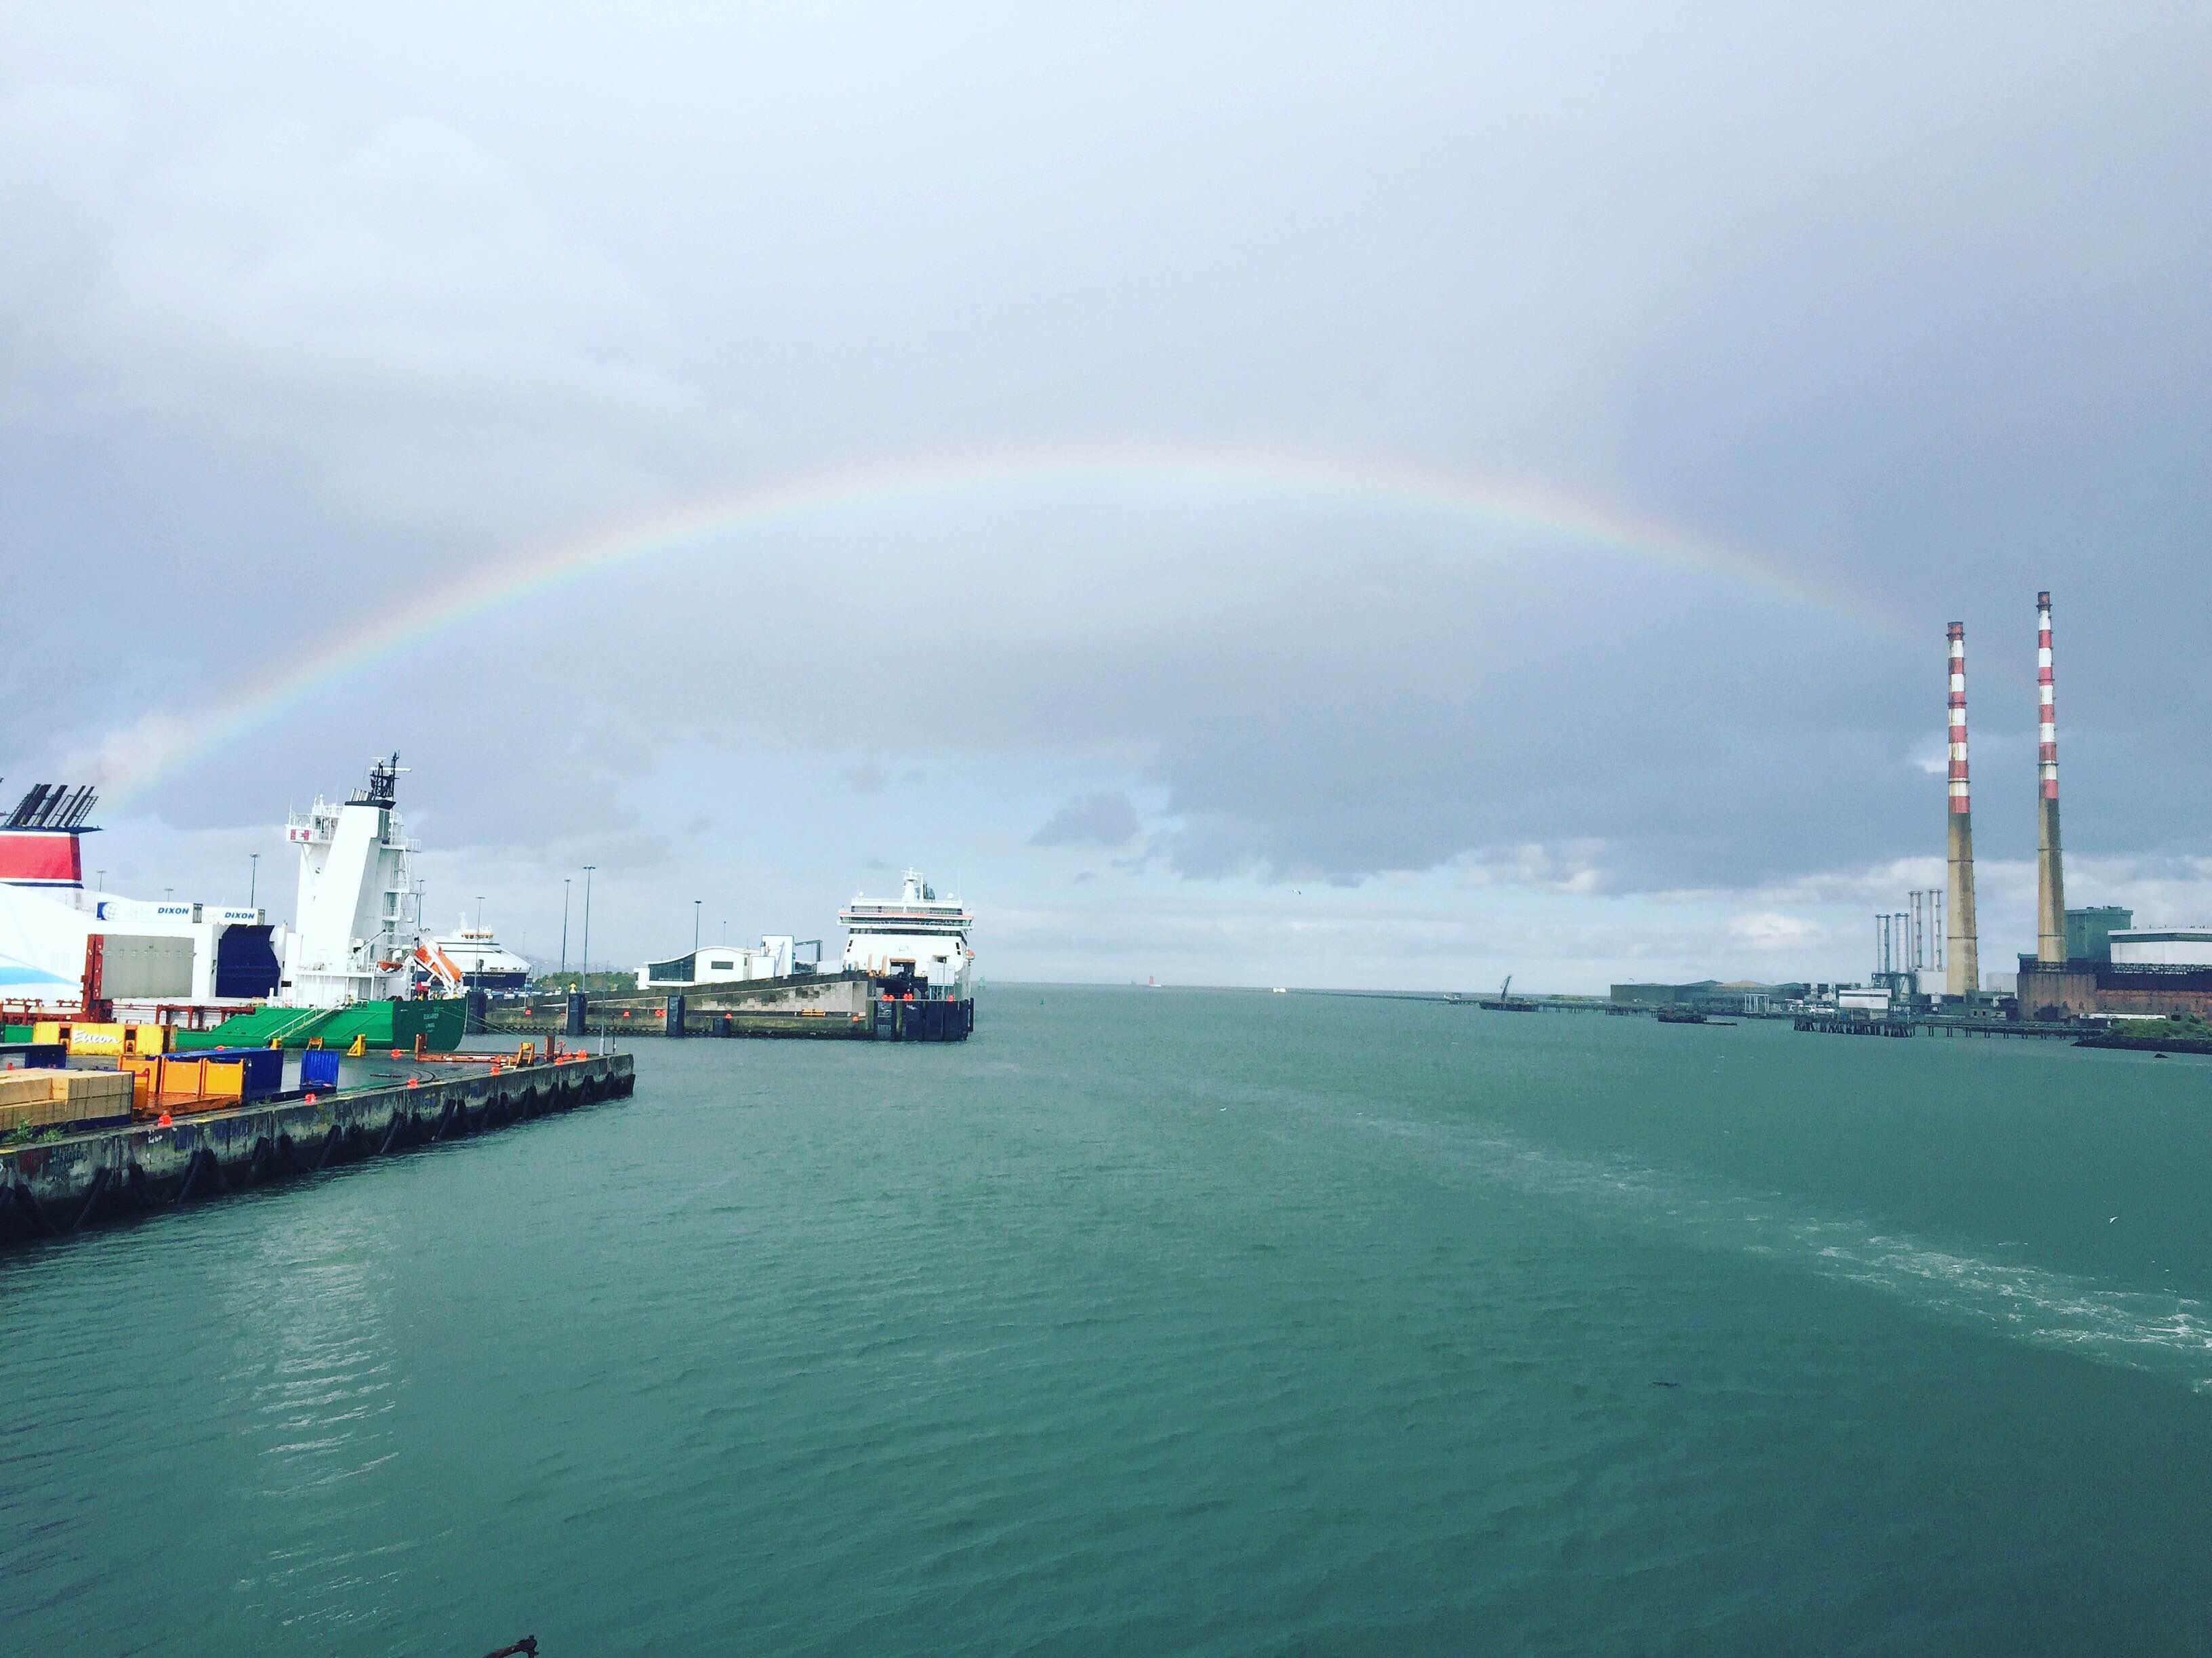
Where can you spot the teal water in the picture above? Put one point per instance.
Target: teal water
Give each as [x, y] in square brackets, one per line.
[1165, 1322]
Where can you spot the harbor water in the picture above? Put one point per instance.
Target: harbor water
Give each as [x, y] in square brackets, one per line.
[1165, 1322]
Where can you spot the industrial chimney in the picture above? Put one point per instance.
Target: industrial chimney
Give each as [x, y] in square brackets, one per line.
[2050, 870]
[1962, 968]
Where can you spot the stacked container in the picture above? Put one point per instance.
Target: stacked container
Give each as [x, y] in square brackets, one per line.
[53, 1098]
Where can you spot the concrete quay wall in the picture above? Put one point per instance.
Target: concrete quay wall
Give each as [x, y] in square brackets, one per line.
[109, 1174]
[809, 1005]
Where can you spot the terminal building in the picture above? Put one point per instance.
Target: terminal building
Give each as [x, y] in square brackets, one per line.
[775, 957]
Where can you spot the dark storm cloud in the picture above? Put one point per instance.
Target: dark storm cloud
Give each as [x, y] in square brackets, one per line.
[1100, 820]
[1909, 302]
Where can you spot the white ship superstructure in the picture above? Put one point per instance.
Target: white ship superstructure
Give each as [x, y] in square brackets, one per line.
[359, 916]
[921, 936]
[153, 954]
[485, 964]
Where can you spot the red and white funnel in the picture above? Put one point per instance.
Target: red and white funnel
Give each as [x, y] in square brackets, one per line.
[1963, 963]
[2050, 863]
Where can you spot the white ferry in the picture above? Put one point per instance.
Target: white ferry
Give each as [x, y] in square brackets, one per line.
[484, 963]
[921, 937]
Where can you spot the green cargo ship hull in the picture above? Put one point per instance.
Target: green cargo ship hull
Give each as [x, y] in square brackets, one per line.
[385, 1025]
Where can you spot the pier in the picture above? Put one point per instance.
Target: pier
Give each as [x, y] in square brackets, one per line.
[111, 1174]
[848, 1006]
[1937, 1025]
[1844, 1025]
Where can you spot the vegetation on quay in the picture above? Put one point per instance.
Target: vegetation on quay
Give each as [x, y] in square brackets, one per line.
[2181, 1027]
[612, 983]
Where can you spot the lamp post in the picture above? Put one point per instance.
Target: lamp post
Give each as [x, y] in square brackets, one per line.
[253, 879]
[696, 903]
[586, 968]
[564, 924]
[479, 911]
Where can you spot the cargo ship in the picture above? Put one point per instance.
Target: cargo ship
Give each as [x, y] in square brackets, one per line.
[344, 973]
[359, 916]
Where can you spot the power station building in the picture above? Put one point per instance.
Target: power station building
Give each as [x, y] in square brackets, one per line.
[2115, 969]
[2089, 932]
[2122, 988]
[2163, 947]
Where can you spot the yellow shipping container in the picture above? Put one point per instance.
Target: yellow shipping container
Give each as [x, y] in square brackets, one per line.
[47, 1031]
[145, 1074]
[148, 1038]
[96, 1041]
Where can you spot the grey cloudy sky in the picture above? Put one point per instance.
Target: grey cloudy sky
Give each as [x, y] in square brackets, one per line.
[305, 319]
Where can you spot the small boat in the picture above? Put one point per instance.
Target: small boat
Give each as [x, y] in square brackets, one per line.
[1680, 1016]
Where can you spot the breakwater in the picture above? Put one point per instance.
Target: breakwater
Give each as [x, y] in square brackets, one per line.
[83, 1179]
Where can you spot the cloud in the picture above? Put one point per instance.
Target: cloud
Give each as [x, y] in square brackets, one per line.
[1772, 929]
[1102, 820]
[299, 323]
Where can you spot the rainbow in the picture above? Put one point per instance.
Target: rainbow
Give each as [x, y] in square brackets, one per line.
[133, 761]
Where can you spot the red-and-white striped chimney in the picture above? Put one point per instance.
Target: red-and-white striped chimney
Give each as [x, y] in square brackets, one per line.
[1960, 799]
[2050, 863]
[1962, 962]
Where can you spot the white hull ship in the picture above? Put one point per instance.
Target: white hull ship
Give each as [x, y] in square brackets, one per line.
[481, 961]
[916, 946]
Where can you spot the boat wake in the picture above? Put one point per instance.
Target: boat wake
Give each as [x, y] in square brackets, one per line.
[2143, 1330]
